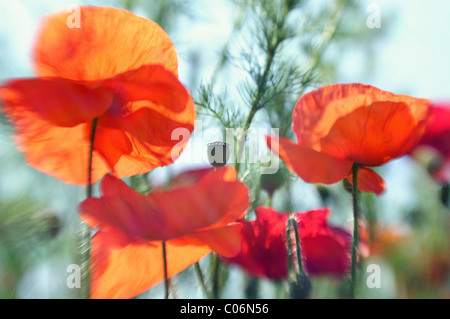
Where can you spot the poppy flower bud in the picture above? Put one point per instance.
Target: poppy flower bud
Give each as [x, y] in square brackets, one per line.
[300, 287]
[325, 193]
[271, 182]
[444, 194]
[218, 153]
[347, 185]
[48, 223]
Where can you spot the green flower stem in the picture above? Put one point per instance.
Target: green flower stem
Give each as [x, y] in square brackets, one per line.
[91, 153]
[299, 283]
[199, 272]
[269, 200]
[256, 104]
[289, 249]
[166, 279]
[216, 270]
[355, 228]
[297, 245]
[86, 231]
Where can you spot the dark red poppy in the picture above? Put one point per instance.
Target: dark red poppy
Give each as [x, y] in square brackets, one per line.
[325, 249]
[437, 139]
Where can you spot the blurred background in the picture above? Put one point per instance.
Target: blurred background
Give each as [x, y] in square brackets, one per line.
[397, 45]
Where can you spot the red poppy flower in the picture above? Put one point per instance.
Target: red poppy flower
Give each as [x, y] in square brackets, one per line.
[324, 248]
[193, 220]
[437, 138]
[118, 68]
[342, 124]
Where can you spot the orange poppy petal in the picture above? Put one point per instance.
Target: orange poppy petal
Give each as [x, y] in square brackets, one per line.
[226, 240]
[59, 101]
[158, 217]
[311, 166]
[152, 83]
[376, 134]
[383, 115]
[61, 152]
[368, 181]
[108, 42]
[120, 269]
[150, 105]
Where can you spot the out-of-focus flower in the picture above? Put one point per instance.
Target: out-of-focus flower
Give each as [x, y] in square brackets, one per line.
[381, 239]
[325, 249]
[192, 220]
[118, 68]
[342, 124]
[437, 139]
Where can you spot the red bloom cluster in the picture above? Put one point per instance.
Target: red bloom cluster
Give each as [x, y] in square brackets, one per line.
[325, 249]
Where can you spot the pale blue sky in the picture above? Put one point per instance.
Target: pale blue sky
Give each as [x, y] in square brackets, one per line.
[412, 58]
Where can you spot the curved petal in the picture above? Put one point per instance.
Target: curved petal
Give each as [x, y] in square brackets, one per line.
[61, 152]
[127, 144]
[324, 255]
[368, 181]
[153, 84]
[274, 221]
[211, 202]
[61, 102]
[314, 222]
[437, 133]
[311, 166]
[263, 251]
[150, 106]
[325, 249]
[375, 134]
[225, 240]
[108, 41]
[317, 112]
[120, 269]
[189, 177]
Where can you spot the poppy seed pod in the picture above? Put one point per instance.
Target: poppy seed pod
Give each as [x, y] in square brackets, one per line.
[300, 288]
[218, 153]
[271, 182]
